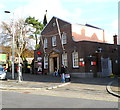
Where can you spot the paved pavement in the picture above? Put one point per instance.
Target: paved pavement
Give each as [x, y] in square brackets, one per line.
[47, 82]
[32, 82]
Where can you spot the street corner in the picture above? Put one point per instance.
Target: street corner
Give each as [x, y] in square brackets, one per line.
[113, 88]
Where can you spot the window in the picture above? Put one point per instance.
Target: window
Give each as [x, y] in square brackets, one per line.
[54, 41]
[54, 24]
[45, 62]
[75, 59]
[45, 43]
[64, 59]
[64, 38]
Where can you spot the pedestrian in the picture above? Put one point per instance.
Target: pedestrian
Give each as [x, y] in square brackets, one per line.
[62, 74]
[63, 78]
[56, 71]
[67, 75]
[32, 67]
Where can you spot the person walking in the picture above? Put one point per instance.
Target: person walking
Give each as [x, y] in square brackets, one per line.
[32, 67]
[56, 71]
[67, 75]
[62, 74]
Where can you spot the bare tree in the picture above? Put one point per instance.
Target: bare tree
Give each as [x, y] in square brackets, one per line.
[6, 33]
[20, 35]
[20, 43]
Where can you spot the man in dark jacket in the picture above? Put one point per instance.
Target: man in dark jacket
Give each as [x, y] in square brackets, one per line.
[62, 73]
[62, 69]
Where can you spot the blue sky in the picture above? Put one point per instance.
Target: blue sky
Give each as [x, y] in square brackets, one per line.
[100, 13]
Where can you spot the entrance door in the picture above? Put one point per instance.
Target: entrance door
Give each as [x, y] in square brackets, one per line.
[54, 63]
[106, 66]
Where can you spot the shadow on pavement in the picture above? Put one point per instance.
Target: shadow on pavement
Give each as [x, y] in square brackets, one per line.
[53, 79]
[41, 78]
[37, 78]
[97, 81]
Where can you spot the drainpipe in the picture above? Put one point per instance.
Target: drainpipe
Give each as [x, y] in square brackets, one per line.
[59, 33]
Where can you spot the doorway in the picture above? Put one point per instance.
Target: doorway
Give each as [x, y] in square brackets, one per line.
[53, 62]
[106, 64]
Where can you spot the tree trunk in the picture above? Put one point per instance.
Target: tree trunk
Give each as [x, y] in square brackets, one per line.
[19, 70]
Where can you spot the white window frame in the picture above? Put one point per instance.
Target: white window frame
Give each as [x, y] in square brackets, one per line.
[45, 62]
[75, 60]
[64, 59]
[54, 41]
[64, 38]
[45, 43]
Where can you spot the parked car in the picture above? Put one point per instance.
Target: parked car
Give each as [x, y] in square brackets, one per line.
[3, 74]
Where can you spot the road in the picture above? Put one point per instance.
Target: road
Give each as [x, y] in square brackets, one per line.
[25, 100]
[80, 93]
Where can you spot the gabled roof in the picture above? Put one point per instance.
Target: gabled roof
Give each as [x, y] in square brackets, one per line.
[88, 25]
[53, 19]
[79, 31]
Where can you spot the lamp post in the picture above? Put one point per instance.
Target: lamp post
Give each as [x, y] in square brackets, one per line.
[13, 50]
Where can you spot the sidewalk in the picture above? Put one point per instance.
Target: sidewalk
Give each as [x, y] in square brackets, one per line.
[114, 87]
[38, 82]
[32, 82]
[112, 84]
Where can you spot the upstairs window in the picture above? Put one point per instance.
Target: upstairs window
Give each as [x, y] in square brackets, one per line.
[45, 43]
[64, 38]
[75, 59]
[54, 41]
[64, 59]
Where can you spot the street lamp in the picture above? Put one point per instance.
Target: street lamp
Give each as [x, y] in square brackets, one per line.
[13, 50]
[7, 11]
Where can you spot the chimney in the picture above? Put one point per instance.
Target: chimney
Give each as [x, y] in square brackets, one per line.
[115, 39]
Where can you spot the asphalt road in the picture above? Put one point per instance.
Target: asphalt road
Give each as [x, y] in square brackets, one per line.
[22, 100]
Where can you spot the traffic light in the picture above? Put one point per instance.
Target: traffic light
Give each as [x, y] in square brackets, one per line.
[39, 59]
[39, 54]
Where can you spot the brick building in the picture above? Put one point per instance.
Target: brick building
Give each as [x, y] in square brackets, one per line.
[83, 49]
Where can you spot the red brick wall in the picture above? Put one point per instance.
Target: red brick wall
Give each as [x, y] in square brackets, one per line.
[84, 48]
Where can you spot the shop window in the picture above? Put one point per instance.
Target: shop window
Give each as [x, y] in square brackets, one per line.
[54, 41]
[64, 59]
[75, 59]
[64, 38]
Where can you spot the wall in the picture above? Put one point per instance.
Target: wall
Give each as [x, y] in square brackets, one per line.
[85, 49]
